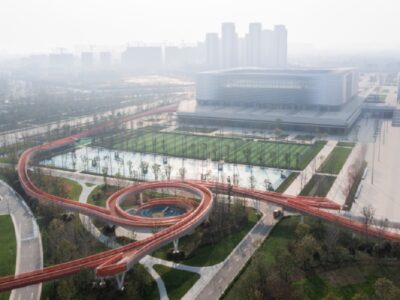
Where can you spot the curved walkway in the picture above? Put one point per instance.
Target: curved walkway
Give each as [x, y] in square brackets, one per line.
[29, 241]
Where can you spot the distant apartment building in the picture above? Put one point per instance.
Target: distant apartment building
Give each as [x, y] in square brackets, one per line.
[229, 46]
[61, 60]
[258, 48]
[140, 58]
[212, 50]
[280, 55]
[87, 59]
[253, 45]
[178, 57]
[105, 59]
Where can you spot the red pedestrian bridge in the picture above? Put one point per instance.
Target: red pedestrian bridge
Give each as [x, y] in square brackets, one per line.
[115, 262]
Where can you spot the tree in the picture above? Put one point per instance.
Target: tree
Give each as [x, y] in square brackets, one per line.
[118, 180]
[284, 264]
[331, 239]
[156, 170]
[105, 171]
[252, 181]
[182, 173]
[66, 289]
[305, 251]
[302, 230]
[130, 168]
[368, 213]
[144, 166]
[331, 296]
[168, 170]
[386, 290]
[360, 296]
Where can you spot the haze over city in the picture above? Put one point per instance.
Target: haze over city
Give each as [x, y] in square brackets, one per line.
[199, 150]
[44, 25]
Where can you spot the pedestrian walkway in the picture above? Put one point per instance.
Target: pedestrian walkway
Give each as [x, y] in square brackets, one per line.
[236, 261]
[381, 186]
[29, 241]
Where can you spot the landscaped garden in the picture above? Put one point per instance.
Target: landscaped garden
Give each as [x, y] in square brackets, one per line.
[315, 260]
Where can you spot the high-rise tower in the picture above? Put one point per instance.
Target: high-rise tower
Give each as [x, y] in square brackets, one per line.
[229, 46]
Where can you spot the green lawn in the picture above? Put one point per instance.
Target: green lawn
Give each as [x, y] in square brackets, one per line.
[335, 161]
[319, 185]
[177, 282]
[74, 189]
[212, 254]
[58, 186]
[8, 250]
[288, 181]
[234, 150]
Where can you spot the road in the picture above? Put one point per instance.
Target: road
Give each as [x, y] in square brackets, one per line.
[14, 136]
[29, 243]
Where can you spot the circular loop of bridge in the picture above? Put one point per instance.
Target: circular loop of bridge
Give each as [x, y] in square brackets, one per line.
[115, 201]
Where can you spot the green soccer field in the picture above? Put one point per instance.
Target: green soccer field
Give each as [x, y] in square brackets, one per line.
[234, 150]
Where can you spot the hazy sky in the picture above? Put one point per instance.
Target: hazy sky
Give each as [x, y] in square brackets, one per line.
[44, 25]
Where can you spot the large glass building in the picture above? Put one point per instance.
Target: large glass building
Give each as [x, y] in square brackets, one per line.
[300, 99]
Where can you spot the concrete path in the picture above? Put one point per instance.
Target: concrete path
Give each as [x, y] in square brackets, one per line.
[29, 241]
[234, 263]
[382, 191]
[304, 177]
[87, 222]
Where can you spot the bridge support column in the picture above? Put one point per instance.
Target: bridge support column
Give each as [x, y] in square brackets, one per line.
[207, 220]
[302, 219]
[141, 198]
[120, 281]
[176, 245]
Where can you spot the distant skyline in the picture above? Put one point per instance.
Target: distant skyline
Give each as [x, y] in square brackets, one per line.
[28, 26]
